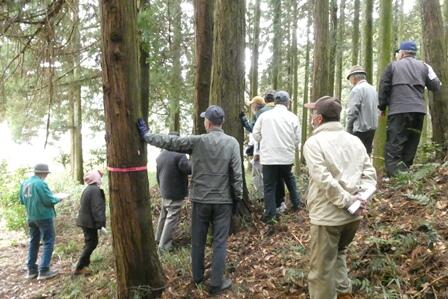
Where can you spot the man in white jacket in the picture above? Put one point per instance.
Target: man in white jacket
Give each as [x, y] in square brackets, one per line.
[339, 170]
[278, 132]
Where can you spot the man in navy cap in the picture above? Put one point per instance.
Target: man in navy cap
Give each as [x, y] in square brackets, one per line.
[401, 90]
[216, 189]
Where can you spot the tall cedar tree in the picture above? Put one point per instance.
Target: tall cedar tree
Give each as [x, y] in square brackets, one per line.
[435, 54]
[320, 86]
[340, 50]
[306, 85]
[75, 111]
[368, 39]
[355, 34]
[203, 17]
[227, 86]
[255, 45]
[139, 272]
[333, 44]
[176, 88]
[276, 45]
[385, 56]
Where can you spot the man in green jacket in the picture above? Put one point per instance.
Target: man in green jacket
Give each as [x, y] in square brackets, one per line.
[39, 202]
[216, 189]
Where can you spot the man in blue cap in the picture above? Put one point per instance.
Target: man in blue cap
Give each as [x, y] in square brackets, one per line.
[216, 189]
[401, 89]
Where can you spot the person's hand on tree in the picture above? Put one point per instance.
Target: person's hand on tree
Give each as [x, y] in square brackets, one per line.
[142, 128]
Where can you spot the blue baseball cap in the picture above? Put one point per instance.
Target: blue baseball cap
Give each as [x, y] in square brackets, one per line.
[215, 114]
[408, 45]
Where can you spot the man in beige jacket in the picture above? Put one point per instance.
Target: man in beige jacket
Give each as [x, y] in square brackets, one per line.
[339, 170]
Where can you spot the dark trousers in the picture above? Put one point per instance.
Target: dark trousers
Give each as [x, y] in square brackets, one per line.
[403, 137]
[279, 193]
[272, 174]
[218, 216]
[90, 243]
[366, 139]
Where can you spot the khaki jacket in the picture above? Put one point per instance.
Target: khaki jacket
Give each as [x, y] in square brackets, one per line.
[339, 168]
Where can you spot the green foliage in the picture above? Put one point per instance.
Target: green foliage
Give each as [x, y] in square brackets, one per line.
[12, 212]
[421, 199]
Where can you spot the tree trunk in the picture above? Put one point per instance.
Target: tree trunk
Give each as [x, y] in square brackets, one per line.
[340, 50]
[355, 35]
[227, 85]
[75, 109]
[203, 15]
[368, 36]
[175, 74]
[295, 66]
[139, 272]
[144, 69]
[306, 87]
[385, 34]
[255, 53]
[320, 86]
[435, 55]
[333, 44]
[276, 45]
[445, 14]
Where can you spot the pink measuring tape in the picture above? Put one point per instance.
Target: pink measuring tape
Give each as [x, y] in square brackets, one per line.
[128, 169]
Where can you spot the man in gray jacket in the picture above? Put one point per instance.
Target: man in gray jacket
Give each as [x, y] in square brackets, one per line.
[401, 89]
[362, 111]
[216, 189]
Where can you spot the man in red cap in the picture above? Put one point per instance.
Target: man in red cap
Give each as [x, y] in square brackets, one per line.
[339, 169]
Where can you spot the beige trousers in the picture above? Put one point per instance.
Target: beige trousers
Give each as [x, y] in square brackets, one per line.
[328, 268]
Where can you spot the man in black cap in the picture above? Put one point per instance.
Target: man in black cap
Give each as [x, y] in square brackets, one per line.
[401, 89]
[216, 189]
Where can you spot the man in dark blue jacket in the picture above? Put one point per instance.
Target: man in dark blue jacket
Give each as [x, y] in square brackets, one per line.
[401, 89]
[172, 176]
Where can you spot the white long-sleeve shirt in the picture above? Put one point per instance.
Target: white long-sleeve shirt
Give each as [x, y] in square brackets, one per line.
[278, 132]
[339, 168]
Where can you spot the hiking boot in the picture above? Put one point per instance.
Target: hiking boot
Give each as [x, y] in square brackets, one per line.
[226, 284]
[31, 275]
[83, 271]
[345, 296]
[47, 275]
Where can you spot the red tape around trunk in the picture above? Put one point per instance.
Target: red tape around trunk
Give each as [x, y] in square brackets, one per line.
[128, 169]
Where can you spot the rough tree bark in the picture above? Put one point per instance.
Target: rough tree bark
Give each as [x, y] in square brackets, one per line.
[139, 272]
[320, 86]
[385, 51]
[435, 54]
[227, 85]
[203, 16]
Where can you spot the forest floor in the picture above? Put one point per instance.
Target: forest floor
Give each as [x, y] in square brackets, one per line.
[400, 251]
